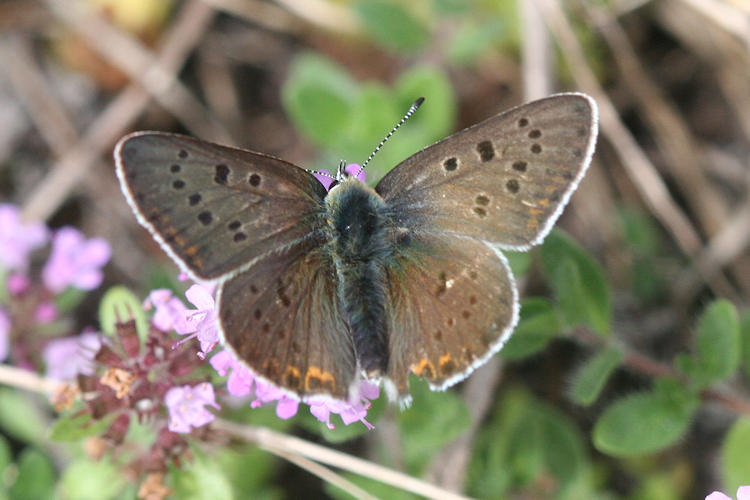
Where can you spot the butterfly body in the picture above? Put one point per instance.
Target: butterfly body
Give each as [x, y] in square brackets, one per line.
[317, 289]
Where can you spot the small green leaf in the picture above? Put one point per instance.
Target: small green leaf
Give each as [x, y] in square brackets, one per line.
[20, 417]
[592, 376]
[36, 477]
[583, 293]
[539, 324]
[317, 97]
[72, 427]
[735, 458]
[436, 118]
[745, 337]
[203, 478]
[645, 422]
[88, 480]
[473, 38]
[120, 305]
[718, 346]
[391, 25]
[434, 419]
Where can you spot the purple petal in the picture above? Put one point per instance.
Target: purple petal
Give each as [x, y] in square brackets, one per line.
[18, 239]
[4, 334]
[717, 495]
[222, 362]
[355, 169]
[46, 312]
[323, 179]
[200, 298]
[96, 252]
[286, 408]
[320, 411]
[67, 357]
[743, 493]
[18, 283]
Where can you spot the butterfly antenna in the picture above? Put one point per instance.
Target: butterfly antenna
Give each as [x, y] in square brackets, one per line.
[412, 109]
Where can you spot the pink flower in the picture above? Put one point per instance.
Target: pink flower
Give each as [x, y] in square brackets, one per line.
[743, 493]
[170, 311]
[18, 283]
[200, 322]
[348, 411]
[67, 357]
[186, 406]
[46, 312]
[350, 169]
[75, 261]
[4, 334]
[17, 239]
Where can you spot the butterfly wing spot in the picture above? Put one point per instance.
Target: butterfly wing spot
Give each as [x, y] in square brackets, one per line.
[520, 166]
[451, 322]
[582, 132]
[446, 364]
[317, 380]
[523, 122]
[473, 274]
[512, 186]
[295, 346]
[466, 314]
[482, 200]
[178, 184]
[481, 212]
[254, 180]
[253, 289]
[292, 376]
[450, 164]
[443, 286]
[486, 151]
[194, 199]
[191, 251]
[175, 168]
[438, 335]
[271, 368]
[536, 148]
[182, 154]
[577, 153]
[266, 327]
[238, 237]
[257, 314]
[234, 225]
[473, 300]
[423, 368]
[205, 217]
[535, 134]
[222, 174]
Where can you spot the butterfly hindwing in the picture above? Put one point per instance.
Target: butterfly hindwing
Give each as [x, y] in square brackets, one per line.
[215, 209]
[452, 302]
[282, 318]
[504, 180]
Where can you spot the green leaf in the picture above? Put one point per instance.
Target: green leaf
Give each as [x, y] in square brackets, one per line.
[20, 417]
[592, 376]
[735, 459]
[437, 115]
[5, 454]
[85, 479]
[36, 477]
[371, 486]
[434, 419]
[317, 97]
[718, 346]
[473, 38]
[391, 25]
[69, 299]
[578, 282]
[524, 442]
[645, 422]
[72, 427]
[248, 469]
[745, 339]
[203, 478]
[539, 324]
[120, 305]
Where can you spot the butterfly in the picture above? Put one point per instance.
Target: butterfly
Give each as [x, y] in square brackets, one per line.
[319, 289]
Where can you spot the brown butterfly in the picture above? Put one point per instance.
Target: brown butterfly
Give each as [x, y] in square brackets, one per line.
[319, 289]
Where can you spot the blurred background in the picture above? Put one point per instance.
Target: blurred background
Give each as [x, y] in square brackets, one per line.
[617, 343]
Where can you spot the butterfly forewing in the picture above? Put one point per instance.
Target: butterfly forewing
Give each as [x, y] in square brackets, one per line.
[504, 180]
[452, 303]
[215, 209]
[283, 319]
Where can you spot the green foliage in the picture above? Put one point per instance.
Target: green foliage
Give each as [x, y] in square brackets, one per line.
[718, 346]
[120, 305]
[20, 416]
[248, 470]
[524, 441]
[643, 239]
[579, 283]
[36, 477]
[538, 325]
[745, 340]
[646, 422]
[735, 458]
[392, 25]
[91, 480]
[473, 38]
[74, 427]
[592, 376]
[371, 486]
[433, 420]
[202, 478]
[347, 119]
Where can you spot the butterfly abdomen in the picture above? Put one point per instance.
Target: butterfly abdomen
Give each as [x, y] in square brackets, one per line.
[360, 250]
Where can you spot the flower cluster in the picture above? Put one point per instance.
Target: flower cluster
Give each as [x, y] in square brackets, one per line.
[743, 493]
